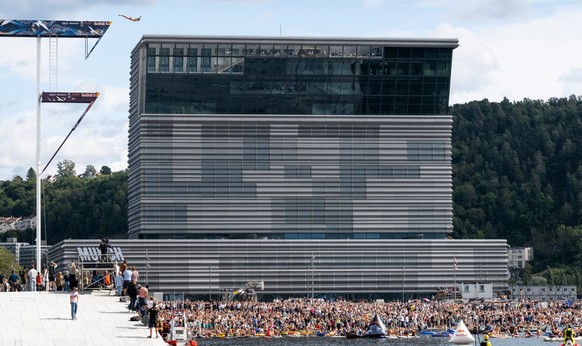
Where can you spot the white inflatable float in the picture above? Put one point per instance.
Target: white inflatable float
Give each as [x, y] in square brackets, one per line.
[462, 336]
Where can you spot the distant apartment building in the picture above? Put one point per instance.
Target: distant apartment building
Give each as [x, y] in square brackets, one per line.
[518, 257]
[24, 253]
[28, 254]
[544, 293]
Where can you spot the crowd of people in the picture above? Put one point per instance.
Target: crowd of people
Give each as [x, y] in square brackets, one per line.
[323, 317]
[31, 279]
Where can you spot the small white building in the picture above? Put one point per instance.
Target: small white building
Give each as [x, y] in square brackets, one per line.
[519, 256]
[7, 223]
[476, 290]
[25, 223]
[544, 293]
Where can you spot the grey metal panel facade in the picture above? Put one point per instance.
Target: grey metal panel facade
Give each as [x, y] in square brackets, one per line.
[366, 268]
[275, 176]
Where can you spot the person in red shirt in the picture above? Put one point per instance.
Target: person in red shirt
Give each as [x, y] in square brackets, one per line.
[39, 281]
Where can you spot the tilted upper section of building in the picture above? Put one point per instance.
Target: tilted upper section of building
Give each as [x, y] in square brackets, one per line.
[251, 75]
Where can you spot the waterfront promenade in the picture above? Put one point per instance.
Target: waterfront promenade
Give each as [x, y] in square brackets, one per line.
[44, 318]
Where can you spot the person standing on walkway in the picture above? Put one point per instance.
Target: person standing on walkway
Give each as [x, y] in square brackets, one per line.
[132, 292]
[134, 275]
[142, 296]
[152, 319]
[32, 273]
[74, 300]
[45, 279]
[73, 279]
[118, 283]
[13, 281]
[52, 276]
[23, 280]
[126, 279]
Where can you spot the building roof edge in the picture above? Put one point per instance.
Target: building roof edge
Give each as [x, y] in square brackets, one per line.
[420, 42]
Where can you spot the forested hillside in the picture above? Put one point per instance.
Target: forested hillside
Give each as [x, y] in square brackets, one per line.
[90, 206]
[517, 171]
[517, 174]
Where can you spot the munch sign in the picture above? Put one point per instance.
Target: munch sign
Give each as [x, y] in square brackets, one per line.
[92, 254]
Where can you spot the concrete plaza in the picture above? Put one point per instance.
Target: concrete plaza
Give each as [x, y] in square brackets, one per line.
[44, 318]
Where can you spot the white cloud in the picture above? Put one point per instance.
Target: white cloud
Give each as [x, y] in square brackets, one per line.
[574, 75]
[473, 61]
[528, 59]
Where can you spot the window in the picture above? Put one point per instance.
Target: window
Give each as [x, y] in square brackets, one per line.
[178, 59]
[192, 59]
[164, 59]
[481, 288]
[206, 60]
[151, 59]
[466, 288]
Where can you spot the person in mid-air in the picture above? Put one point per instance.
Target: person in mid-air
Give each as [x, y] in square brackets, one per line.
[131, 18]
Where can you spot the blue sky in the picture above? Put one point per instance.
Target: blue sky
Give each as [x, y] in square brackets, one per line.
[508, 48]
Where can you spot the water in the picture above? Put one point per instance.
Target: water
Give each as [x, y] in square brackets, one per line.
[326, 341]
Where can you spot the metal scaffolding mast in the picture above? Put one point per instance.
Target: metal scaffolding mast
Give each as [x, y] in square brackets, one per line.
[51, 29]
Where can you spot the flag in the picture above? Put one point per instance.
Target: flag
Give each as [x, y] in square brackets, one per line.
[455, 262]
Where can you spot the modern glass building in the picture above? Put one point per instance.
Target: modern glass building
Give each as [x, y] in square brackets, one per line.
[319, 166]
[290, 138]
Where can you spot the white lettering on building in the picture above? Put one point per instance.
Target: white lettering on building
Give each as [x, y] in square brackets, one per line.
[92, 254]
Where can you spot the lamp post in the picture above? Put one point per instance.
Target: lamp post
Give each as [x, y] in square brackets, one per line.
[312, 276]
[147, 268]
[403, 283]
[210, 283]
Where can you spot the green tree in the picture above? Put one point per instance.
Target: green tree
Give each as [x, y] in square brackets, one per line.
[31, 174]
[526, 274]
[7, 262]
[90, 171]
[66, 168]
[105, 170]
[538, 280]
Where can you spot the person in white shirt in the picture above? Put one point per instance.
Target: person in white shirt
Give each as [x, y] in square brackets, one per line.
[32, 273]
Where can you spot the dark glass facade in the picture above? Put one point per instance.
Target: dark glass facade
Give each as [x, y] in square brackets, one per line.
[298, 78]
[290, 138]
